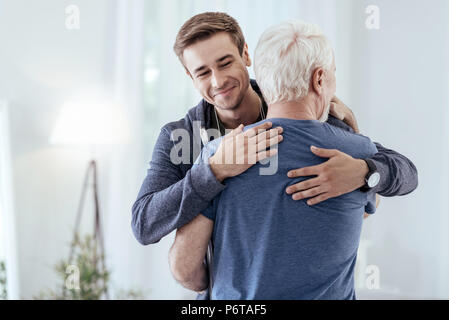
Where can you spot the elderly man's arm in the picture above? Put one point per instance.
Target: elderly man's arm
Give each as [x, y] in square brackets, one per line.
[187, 254]
[366, 215]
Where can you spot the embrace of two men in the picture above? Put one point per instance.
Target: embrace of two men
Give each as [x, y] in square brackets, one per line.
[289, 234]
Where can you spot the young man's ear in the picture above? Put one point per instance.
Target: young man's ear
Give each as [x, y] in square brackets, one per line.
[317, 80]
[245, 56]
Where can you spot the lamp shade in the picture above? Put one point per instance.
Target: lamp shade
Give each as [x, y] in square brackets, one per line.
[90, 123]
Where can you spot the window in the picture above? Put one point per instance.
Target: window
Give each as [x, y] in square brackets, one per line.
[168, 91]
[7, 227]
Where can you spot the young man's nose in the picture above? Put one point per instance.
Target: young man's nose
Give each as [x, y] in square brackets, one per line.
[218, 80]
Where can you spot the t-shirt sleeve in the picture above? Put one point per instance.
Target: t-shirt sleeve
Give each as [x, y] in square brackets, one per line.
[370, 206]
[210, 211]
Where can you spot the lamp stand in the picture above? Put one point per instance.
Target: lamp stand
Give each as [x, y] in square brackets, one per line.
[98, 235]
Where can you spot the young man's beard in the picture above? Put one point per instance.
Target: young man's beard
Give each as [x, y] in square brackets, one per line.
[234, 106]
[239, 100]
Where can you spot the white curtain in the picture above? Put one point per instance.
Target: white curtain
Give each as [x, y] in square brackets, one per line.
[121, 168]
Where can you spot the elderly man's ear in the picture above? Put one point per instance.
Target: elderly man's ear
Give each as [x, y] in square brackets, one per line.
[317, 80]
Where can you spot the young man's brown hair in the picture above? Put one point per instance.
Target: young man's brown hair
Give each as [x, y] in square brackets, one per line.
[204, 25]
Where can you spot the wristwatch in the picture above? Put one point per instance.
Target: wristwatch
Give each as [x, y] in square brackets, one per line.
[372, 178]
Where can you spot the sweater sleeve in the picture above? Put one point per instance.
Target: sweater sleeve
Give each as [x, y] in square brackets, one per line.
[398, 174]
[167, 200]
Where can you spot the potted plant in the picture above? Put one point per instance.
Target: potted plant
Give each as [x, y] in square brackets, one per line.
[3, 290]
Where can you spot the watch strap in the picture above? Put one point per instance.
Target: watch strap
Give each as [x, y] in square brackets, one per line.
[371, 169]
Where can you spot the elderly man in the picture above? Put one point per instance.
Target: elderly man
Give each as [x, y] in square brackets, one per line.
[266, 244]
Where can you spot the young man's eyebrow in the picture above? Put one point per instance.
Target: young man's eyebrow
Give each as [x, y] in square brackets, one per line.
[199, 69]
[224, 58]
[217, 61]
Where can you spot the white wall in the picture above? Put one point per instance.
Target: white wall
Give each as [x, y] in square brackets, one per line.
[400, 80]
[42, 65]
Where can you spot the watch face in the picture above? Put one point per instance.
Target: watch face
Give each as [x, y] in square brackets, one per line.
[374, 180]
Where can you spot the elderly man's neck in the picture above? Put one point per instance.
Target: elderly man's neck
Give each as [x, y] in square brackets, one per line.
[303, 109]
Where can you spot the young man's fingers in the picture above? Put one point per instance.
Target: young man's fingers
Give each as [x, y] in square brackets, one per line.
[324, 153]
[236, 131]
[322, 197]
[307, 193]
[259, 129]
[266, 154]
[263, 136]
[335, 99]
[335, 112]
[305, 172]
[263, 145]
[304, 185]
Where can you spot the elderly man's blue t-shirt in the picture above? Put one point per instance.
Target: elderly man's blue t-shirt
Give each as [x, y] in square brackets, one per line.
[268, 246]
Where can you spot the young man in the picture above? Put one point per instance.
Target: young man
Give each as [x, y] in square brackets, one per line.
[213, 51]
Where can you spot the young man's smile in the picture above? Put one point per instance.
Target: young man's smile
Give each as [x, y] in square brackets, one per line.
[226, 93]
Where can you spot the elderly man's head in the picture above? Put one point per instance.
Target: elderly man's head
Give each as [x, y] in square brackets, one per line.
[293, 61]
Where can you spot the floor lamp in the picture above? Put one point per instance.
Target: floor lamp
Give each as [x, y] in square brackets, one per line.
[90, 124]
[98, 233]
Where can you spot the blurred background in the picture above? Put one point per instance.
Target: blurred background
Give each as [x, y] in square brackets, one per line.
[109, 65]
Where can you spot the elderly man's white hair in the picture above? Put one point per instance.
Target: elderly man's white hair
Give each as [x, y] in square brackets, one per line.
[285, 58]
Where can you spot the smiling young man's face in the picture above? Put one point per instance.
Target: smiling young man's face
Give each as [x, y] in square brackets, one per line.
[218, 71]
